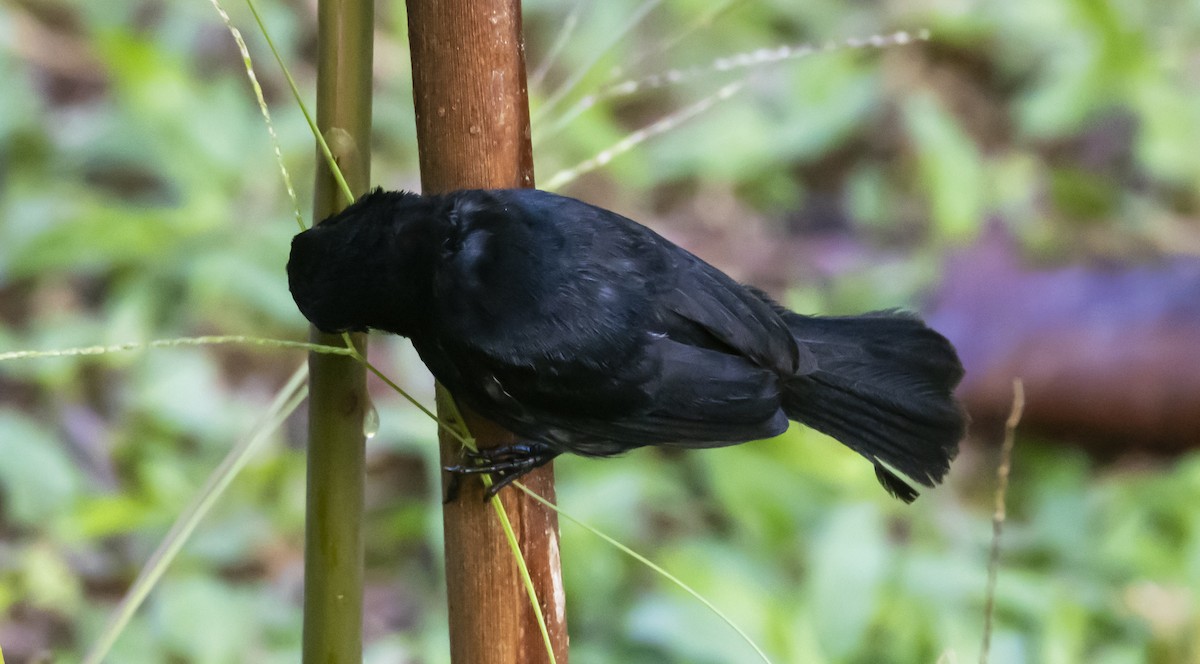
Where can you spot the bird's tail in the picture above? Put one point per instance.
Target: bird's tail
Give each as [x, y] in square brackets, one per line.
[884, 388]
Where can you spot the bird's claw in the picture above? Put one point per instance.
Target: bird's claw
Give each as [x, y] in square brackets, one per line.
[505, 464]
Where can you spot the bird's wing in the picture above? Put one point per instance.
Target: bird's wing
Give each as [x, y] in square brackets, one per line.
[703, 306]
[555, 311]
[699, 398]
[676, 394]
[529, 272]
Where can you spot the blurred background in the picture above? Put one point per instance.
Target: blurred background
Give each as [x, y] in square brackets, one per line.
[1028, 178]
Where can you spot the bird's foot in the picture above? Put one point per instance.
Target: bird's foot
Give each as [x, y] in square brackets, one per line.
[505, 464]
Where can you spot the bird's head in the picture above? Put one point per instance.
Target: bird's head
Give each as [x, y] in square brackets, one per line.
[368, 266]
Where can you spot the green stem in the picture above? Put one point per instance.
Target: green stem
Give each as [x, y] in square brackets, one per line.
[333, 544]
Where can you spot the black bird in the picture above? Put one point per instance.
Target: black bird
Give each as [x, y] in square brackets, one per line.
[583, 331]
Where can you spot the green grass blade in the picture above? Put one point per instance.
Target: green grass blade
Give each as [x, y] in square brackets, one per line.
[631, 141]
[173, 343]
[262, 107]
[312, 124]
[646, 561]
[526, 579]
[575, 79]
[286, 401]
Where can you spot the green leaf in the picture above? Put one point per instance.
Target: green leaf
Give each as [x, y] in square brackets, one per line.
[949, 166]
[849, 558]
[38, 479]
[210, 621]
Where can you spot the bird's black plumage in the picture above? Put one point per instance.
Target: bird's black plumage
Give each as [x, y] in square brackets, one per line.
[583, 331]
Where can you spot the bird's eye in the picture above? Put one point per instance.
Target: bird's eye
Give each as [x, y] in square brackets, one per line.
[453, 241]
[451, 244]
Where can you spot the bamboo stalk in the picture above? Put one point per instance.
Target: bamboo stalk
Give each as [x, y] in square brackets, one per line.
[338, 401]
[473, 132]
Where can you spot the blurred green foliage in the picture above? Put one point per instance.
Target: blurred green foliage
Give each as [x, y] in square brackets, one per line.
[139, 199]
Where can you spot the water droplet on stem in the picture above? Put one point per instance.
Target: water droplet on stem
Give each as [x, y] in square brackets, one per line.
[370, 421]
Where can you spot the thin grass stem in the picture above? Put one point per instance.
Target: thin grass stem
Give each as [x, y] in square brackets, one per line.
[312, 124]
[174, 343]
[1002, 473]
[262, 106]
[634, 139]
[648, 563]
[569, 85]
[286, 401]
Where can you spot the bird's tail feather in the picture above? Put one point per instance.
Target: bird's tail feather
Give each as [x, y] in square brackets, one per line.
[884, 388]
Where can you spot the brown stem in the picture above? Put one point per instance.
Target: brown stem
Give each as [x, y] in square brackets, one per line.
[473, 132]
